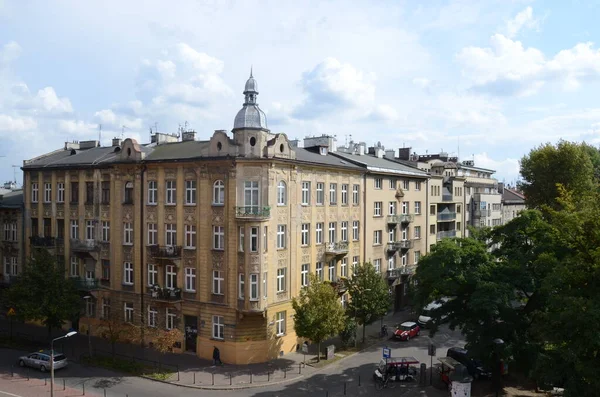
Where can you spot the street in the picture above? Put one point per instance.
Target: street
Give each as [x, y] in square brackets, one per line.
[333, 380]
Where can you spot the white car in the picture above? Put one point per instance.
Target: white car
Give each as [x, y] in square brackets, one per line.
[426, 314]
[41, 360]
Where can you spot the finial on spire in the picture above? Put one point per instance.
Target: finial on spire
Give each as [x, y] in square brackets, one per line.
[251, 72]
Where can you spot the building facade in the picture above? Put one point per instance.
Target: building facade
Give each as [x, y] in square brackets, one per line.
[513, 203]
[11, 227]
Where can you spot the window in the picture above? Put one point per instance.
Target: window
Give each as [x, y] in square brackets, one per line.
[355, 260]
[405, 208]
[304, 275]
[332, 271]
[458, 226]
[34, 192]
[392, 208]
[127, 233]
[251, 196]
[344, 194]
[128, 197]
[417, 257]
[105, 308]
[392, 262]
[190, 236]
[265, 277]
[105, 270]
[344, 231]
[406, 184]
[89, 230]
[319, 233]
[128, 273]
[190, 192]
[128, 311]
[280, 323]
[377, 265]
[217, 288]
[105, 192]
[319, 270]
[171, 193]
[152, 314]
[218, 328]
[152, 275]
[190, 279]
[171, 316]
[74, 229]
[417, 186]
[74, 192]
[431, 229]
[242, 239]
[105, 231]
[404, 232]
[392, 234]
[170, 277]
[355, 194]
[281, 193]
[333, 193]
[254, 287]
[219, 193]
[332, 232]
[34, 227]
[89, 192]
[152, 192]
[344, 267]
[344, 301]
[432, 210]
[47, 192]
[254, 239]
[265, 239]
[377, 208]
[218, 237]
[305, 234]
[320, 193]
[74, 266]
[393, 184]
[458, 209]
[280, 236]
[417, 207]
[305, 193]
[355, 231]
[60, 192]
[60, 229]
[152, 234]
[241, 285]
[281, 280]
[377, 237]
[417, 232]
[404, 259]
[378, 183]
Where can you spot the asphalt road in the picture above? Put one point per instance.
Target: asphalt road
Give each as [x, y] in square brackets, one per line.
[328, 381]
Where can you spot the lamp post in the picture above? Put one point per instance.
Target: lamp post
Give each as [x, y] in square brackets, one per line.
[89, 324]
[68, 335]
[497, 374]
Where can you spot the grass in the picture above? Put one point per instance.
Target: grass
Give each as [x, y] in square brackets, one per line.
[128, 366]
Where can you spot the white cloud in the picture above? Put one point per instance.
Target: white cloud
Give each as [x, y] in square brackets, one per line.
[383, 113]
[523, 19]
[111, 120]
[77, 127]
[47, 100]
[460, 110]
[10, 124]
[507, 169]
[421, 82]
[9, 52]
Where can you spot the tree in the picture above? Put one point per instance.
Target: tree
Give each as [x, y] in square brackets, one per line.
[43, 293]
[113, 328]
[369, 295]
[318, 312]
[567, 164]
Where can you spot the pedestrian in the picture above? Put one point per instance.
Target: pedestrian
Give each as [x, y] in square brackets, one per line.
[217, 356]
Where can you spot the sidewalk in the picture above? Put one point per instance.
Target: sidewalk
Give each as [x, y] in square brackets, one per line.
[193, 371]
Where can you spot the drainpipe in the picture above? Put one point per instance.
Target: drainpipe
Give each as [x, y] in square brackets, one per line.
[141, 237]
[427, 215]
[365, 217]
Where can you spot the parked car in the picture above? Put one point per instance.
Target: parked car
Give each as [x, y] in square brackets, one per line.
[474, 366]
[41, 360]
[426, 316]
[407, 330]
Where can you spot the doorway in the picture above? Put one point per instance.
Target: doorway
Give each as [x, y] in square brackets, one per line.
[191, 333]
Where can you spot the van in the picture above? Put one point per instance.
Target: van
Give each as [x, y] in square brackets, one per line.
[426, 315]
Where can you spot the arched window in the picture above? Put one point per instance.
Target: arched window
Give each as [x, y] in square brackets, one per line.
[281, 193]
[219, 193]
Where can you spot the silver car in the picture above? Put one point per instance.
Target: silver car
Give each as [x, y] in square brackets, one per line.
[41, 360]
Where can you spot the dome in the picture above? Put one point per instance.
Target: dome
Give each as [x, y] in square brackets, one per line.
[251, 85]
[250, 115]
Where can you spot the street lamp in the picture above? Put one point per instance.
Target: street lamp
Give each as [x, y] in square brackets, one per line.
[89, 324]
[68, 335]
[498, 344]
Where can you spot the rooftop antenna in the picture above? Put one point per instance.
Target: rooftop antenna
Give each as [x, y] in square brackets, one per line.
[458, 148]
[123, 131]
[15, 172]
[155, 127]
[100, 133]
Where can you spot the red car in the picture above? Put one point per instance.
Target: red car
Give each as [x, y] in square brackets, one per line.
[407, 330]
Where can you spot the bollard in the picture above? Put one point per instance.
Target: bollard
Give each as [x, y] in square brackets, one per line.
[104, 392]
[284, 373]
[45, 381]
[194, 378]
[213, 378]
[178, 374]
[344, 388]
[300, 368]
[230, 379]
[250, 377]
[326, 393]
[83, 388]
[268, 376]
[27, 373]
[359, 380]
[12, 371]
[64, 386]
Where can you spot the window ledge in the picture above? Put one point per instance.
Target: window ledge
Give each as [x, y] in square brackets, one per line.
[218, 294]
[189, 204]
[124, 284]
[152, 204]
[128, 244]
[217, 339]
[218, 204]
[190, 248]
[218, 249]
[170, 204]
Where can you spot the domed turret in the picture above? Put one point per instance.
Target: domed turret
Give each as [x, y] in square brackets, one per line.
[250, 116]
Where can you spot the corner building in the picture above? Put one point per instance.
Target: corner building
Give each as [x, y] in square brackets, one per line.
[211, 237]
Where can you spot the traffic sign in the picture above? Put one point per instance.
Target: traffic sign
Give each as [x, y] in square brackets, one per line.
[11, 312]
[387, 352]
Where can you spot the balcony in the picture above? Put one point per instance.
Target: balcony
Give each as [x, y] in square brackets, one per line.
[164, 294]
[400, 218]
[446, 216]
[86, 284]
[253, 306]
[253, 213]
[165, 251]
[42, 242]
[447, 197]
[446, 234]
[336, 249]
[393, 246]
[400, 271]
[405, 244]
[85, 245]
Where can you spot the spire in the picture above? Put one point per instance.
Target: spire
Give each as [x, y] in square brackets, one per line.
[251, 72]
[250, 90]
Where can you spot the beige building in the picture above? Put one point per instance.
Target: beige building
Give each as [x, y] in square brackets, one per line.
[11, 242]
[513, 203]
[212, 237]
[484, 201]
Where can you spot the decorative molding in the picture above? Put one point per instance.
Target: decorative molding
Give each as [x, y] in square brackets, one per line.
[281, 263]
[189, 173]
[218, 217]
[254, 259]
[151, 214]
[255, 269]
[127, 215]
[282, 254]
[74, 213]
[170, 173]
[152, 175]
[170, 214]
[128, 254]
[189, 215]
[217, 259]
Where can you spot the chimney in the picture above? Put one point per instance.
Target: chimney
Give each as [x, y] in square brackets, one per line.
[404, 153]
[188, 135]
[390, 154]
[116, 141]
[362, 148]
[294, 143]
[72, 145]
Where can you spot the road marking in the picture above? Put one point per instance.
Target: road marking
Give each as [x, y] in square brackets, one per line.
[10, 394]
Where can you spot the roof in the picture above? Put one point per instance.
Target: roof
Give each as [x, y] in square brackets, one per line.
[408, 324]
[512, 196]
[377, 164]
[74, 157]
[13, 199]
[309, 156]
[177, 150]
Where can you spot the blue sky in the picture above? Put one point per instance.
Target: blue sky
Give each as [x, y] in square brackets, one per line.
[492, 79]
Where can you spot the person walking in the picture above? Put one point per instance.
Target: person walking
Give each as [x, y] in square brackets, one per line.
[217, 356]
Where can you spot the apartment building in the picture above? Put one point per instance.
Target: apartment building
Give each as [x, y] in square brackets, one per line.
[395, 205]
[11, 244]
[213, 237]
[513, 202]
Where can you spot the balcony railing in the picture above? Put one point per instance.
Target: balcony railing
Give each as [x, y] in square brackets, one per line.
[405, 244]
[446, 216]
[86, 284]
[393, 246]
[339, 248]
[446, 234]
[253, 212]
[165, 294]
[447, 197]
[252, 306]
[400, 218]
[165, 251]
[400, 271]
[37, 241]
[85, 245]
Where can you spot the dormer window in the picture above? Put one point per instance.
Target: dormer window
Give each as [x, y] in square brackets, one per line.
[323, 150]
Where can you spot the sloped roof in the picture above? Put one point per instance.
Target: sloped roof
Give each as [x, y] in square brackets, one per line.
[512, 196]
[377, 164]
[310, 156]
[13, 199]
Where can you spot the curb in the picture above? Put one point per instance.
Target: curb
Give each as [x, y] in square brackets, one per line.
[232, 387]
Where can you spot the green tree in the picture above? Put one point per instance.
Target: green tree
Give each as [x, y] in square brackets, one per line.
[369, 295]
[567, 164]
[42, 293]
[318, 312]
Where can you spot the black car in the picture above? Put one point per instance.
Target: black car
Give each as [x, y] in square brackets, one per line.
[474, 366]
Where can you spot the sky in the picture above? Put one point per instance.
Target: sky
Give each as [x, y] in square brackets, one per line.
[483, 80]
